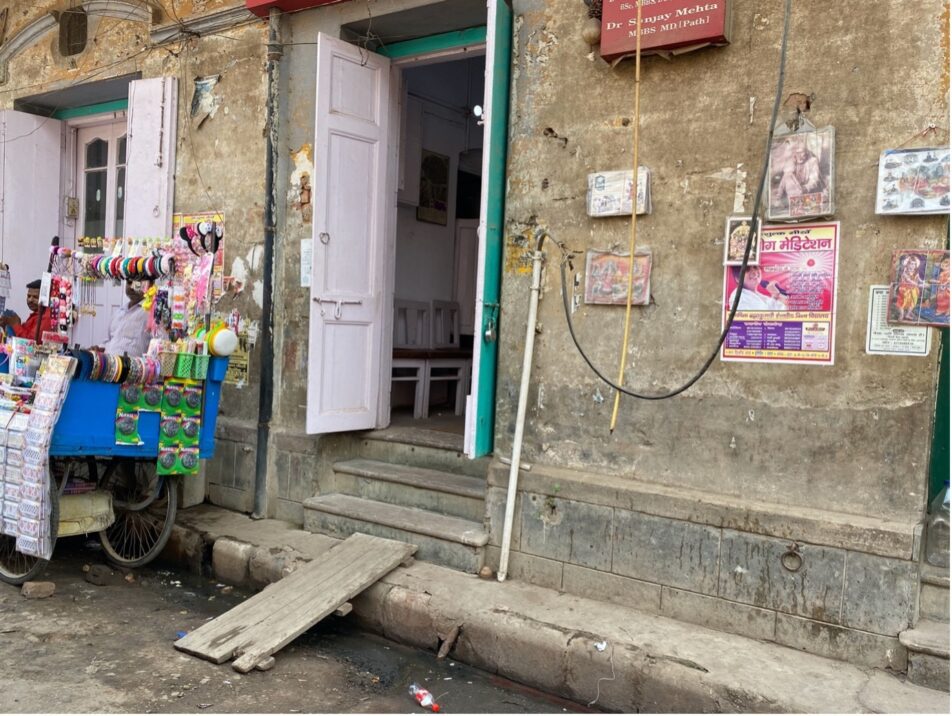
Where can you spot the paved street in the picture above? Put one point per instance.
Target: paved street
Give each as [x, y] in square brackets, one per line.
[109, 649]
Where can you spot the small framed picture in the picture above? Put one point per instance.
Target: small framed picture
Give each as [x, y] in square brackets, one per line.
[606, 278]
[434, 188]
[801, 175]
[919, 288]
[736, 232]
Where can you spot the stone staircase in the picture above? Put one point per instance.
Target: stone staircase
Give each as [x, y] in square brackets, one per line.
[412, 485]
[927, 643]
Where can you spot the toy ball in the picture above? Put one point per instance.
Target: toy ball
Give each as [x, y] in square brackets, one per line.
[223, 342]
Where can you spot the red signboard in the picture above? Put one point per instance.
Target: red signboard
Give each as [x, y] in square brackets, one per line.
[665, 25]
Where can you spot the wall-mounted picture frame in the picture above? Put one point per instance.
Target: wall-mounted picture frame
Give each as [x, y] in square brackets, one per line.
[919, 288]
[606, 278]
[736, 231]
[913, 181]
[801, 175]
[434, 188]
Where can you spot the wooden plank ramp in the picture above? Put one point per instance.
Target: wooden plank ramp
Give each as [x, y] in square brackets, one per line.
[271, 619]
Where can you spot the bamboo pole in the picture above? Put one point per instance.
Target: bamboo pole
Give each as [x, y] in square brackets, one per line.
[634, 222]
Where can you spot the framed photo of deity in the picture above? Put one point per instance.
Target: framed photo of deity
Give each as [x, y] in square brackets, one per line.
[919, 288]
[801, 175]
[606, 277]
[913, 181]
[736, 232]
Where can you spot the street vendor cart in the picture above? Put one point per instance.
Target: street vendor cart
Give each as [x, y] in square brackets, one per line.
[126, 499]
[96, 440]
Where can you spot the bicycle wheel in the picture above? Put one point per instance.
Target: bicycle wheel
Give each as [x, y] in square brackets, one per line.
[145, 505]
[16, 567]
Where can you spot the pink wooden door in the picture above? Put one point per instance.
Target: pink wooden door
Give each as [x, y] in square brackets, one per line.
[153, 111]
[350, 222]
[30, 197]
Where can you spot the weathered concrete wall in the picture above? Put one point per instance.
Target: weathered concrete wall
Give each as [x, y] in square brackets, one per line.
[220, 165]
[853, 437]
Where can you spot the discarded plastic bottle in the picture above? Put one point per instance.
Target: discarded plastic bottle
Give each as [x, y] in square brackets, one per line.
[937, 531]
[424, 697]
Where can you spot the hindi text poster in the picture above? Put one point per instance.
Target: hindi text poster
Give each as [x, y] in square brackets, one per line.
[787, 305]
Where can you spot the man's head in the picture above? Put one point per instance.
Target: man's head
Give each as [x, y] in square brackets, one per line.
[33, 295]
[135, 290]
[751, 278]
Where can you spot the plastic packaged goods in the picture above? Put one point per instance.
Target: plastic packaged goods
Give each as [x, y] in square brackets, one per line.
[937, 532]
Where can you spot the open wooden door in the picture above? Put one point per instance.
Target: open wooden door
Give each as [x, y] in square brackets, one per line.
[350, 224]
[31, 155]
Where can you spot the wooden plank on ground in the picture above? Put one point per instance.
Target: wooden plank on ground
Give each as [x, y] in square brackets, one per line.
[274, 617]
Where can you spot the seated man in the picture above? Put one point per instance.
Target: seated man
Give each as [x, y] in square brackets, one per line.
[28, 328]
[128, 330]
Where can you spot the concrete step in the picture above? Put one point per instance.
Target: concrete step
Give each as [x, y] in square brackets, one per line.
[430, 449]
[433, 490]
[421, 437]
[928, 647]
[441, 539]
[934, 602]
[937, 576]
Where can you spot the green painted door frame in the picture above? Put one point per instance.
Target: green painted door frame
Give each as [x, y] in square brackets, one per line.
[118, 105]
[495, 217]
[939, 459]
[434, 43]
[498, 133]
[939, 462]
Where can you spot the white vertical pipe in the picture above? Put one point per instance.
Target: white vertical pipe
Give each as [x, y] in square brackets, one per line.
[537, 257]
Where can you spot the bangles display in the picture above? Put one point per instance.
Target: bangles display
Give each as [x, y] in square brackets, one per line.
[93, 365]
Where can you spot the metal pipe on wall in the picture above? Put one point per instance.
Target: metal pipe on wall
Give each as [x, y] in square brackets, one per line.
[266, 381]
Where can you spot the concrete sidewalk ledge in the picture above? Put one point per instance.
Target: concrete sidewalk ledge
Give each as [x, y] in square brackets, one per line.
[552, 640]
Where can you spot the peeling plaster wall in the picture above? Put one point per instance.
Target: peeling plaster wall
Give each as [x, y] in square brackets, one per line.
[219, 165]
[853, 437]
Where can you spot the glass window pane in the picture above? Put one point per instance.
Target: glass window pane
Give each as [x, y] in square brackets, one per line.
[121, 150]
[120, 198]
[97, 154]
[94, 223]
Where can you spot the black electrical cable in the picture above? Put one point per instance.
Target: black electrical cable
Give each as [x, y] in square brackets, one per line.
[758, 197]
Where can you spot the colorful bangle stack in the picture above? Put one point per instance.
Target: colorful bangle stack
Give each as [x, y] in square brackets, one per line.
[138, 268]
[118, 369]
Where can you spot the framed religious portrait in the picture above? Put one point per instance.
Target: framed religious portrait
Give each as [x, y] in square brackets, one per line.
[919, 288]
[434, 188]
[736, 231]
[913, 181]
[801, 175]
[606, 278]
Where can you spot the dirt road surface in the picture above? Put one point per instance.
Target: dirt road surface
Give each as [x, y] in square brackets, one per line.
[109, 649]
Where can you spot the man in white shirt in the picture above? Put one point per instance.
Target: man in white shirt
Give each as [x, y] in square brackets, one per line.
[129, 329]
[751, 299]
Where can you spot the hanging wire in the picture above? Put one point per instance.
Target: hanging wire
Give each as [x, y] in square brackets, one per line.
[758, 198]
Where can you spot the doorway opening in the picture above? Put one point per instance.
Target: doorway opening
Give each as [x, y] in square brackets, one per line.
[436, 243]
[399, 147]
